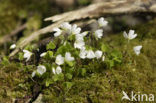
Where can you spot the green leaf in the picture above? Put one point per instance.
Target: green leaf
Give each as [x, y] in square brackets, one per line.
[69, 70]
[20, 65]
[31, 47]
[22, 14]
[104, 47]
[61, 50]
[51, 45]
[55, 78]
[83, 71]
[117, 60]
[58, 77]
[116, 56]
[48, 82]
[69, 76]
[5, 61]
[50, 54]
[68, 85]
[70, 63]
[110, 63]
[71, 37]
[20, 56]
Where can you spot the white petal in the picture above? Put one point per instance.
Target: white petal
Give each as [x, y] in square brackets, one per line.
[57, 32]
[133, 36]
[33, 73]
[79, 44]
[99, 33]
[27, 54]
[79, 37]
[13, 46]
[84, 33]
[66, 26]
[130, 35]
[131, 32]
[83, 48]
[28, 57]
[25, 51]
[137, 49]
[41, 69]
[98, 54]
[68, 57]
[58, 70]
[102, 22]
[43, 54]
[56, 29]
[75, 29]
[59, 59]
[103, 58]
[125, 35]
[90, 54]
[83, 54]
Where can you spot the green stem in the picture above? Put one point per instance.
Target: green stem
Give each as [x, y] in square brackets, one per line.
[128, 53]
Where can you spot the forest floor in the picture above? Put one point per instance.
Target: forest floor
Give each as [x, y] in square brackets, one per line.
[100, 87]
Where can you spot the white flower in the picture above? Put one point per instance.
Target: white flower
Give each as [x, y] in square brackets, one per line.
[59, 59]
[99, 33]
[33, 73]
[68, 57]
[75, 29]
[57, 71]
[102, 22]
[83, 53]
[90, 54]
[84, 33]
[27, 54]
[41, 69]
[43, 54]
[66, 26]
[57, 32]
[98, 54]
[13, 46]
[79, 37]
[130, 35]
[137, 49]
[103, 58]
[79, 44]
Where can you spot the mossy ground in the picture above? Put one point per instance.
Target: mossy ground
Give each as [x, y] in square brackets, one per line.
[138, 75]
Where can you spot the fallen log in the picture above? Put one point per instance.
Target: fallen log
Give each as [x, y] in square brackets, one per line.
[92, 11]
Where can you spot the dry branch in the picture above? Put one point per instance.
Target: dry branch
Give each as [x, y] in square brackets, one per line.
[7, 37]
[92, 11]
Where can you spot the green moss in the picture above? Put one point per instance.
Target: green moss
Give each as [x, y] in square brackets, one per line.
[137, 73]
[13, 83]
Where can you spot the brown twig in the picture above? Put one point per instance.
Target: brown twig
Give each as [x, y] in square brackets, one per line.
[7, 37]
